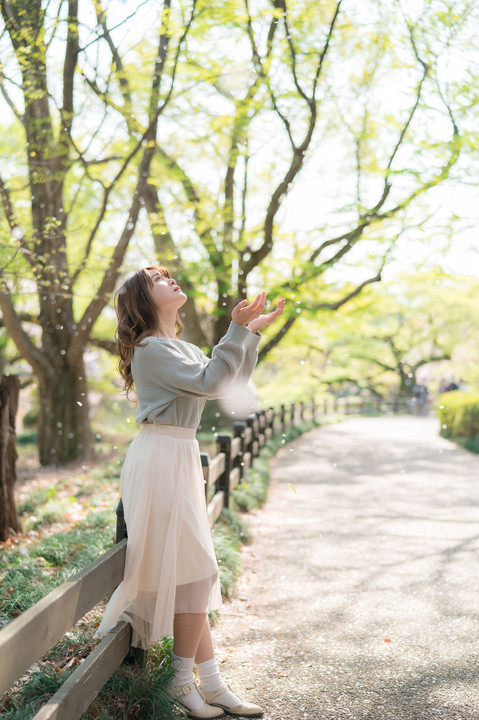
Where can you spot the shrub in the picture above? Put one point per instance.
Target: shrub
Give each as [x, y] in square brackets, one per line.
[30, 419]
[459, 414]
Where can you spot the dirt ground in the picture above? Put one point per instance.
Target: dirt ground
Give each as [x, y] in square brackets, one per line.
[359, 596]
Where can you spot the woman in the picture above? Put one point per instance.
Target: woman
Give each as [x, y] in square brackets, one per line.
[171, 576]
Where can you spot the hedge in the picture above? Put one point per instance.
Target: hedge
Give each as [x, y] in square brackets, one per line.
[459, 415]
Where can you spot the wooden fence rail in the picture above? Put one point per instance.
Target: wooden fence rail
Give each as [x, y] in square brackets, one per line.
[358, 405]
[33, 633]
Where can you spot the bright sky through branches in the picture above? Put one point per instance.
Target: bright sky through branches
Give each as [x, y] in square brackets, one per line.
[312, 198]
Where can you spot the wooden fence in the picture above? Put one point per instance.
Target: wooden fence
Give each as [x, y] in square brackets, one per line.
[33, 633]
[366, 405]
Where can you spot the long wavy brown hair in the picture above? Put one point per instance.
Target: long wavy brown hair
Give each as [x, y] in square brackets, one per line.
[136, 318]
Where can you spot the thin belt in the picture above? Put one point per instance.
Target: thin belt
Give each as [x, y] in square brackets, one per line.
[170, 430]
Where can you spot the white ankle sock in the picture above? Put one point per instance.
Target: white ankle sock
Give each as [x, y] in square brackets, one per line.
[211, 681]
[184, 676]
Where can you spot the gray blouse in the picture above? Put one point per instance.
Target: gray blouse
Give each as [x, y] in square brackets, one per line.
[174, 378]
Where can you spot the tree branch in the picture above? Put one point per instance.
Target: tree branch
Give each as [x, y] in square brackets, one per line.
[409, 119]
[431, 358]
[336, 305]
[292, 50]
[298, 151]
[123, 80]
[260, 67]
[12, 323]
[8, 99]
[108, 345]
[276, 338]
[320, 306]
[109, 279]
[325, 48]
[168, 255]
[131, 121]
[15, 227]
[194, 198]
[368, 358]
[72, 50]
[23, 317]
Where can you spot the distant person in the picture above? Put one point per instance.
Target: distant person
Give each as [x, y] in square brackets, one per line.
[171, 581]
[421, 395]
[422, 400]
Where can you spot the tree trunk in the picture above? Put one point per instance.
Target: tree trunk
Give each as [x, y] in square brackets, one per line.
[406, 385]
[225, 305]
[63, 431]
[9, 520]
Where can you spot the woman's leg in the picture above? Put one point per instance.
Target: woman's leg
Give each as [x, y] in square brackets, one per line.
[212, 684]
[193, 643]
[188, 630]
[205, 650]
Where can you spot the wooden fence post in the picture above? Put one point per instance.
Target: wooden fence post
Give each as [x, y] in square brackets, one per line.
[136, 656]
[282, 417]
[270, 419]
[252, 423]
[9, 520]
[121, 531]
[261, 415]
[223, 445]
[205, 464]
[238, 431]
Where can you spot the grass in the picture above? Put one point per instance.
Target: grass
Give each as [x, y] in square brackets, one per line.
[138, 693]
[229, 532]
[69, 521]
[39, 687]
[131, 692]
[471, 444]
[30, 574]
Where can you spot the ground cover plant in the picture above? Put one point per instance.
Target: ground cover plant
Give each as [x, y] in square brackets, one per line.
[459, 417]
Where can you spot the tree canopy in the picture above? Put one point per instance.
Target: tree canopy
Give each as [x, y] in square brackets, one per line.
[193, 131]
[414, 327]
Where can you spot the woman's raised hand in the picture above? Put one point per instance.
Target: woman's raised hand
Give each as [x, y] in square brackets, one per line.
[244, 313]
[264, 320]
[251, 315]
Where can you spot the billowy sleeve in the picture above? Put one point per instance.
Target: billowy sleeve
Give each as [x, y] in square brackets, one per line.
[163, 362]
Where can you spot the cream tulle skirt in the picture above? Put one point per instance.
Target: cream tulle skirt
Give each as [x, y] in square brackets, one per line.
[170, 562]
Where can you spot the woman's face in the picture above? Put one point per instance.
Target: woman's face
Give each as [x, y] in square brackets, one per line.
[165, 293]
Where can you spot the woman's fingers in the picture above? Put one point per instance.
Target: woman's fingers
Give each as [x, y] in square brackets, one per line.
[276, 312]
[257, 306]
[260, 301]
[244, 313]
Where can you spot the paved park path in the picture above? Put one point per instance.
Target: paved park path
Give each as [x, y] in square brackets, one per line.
[360, 592]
